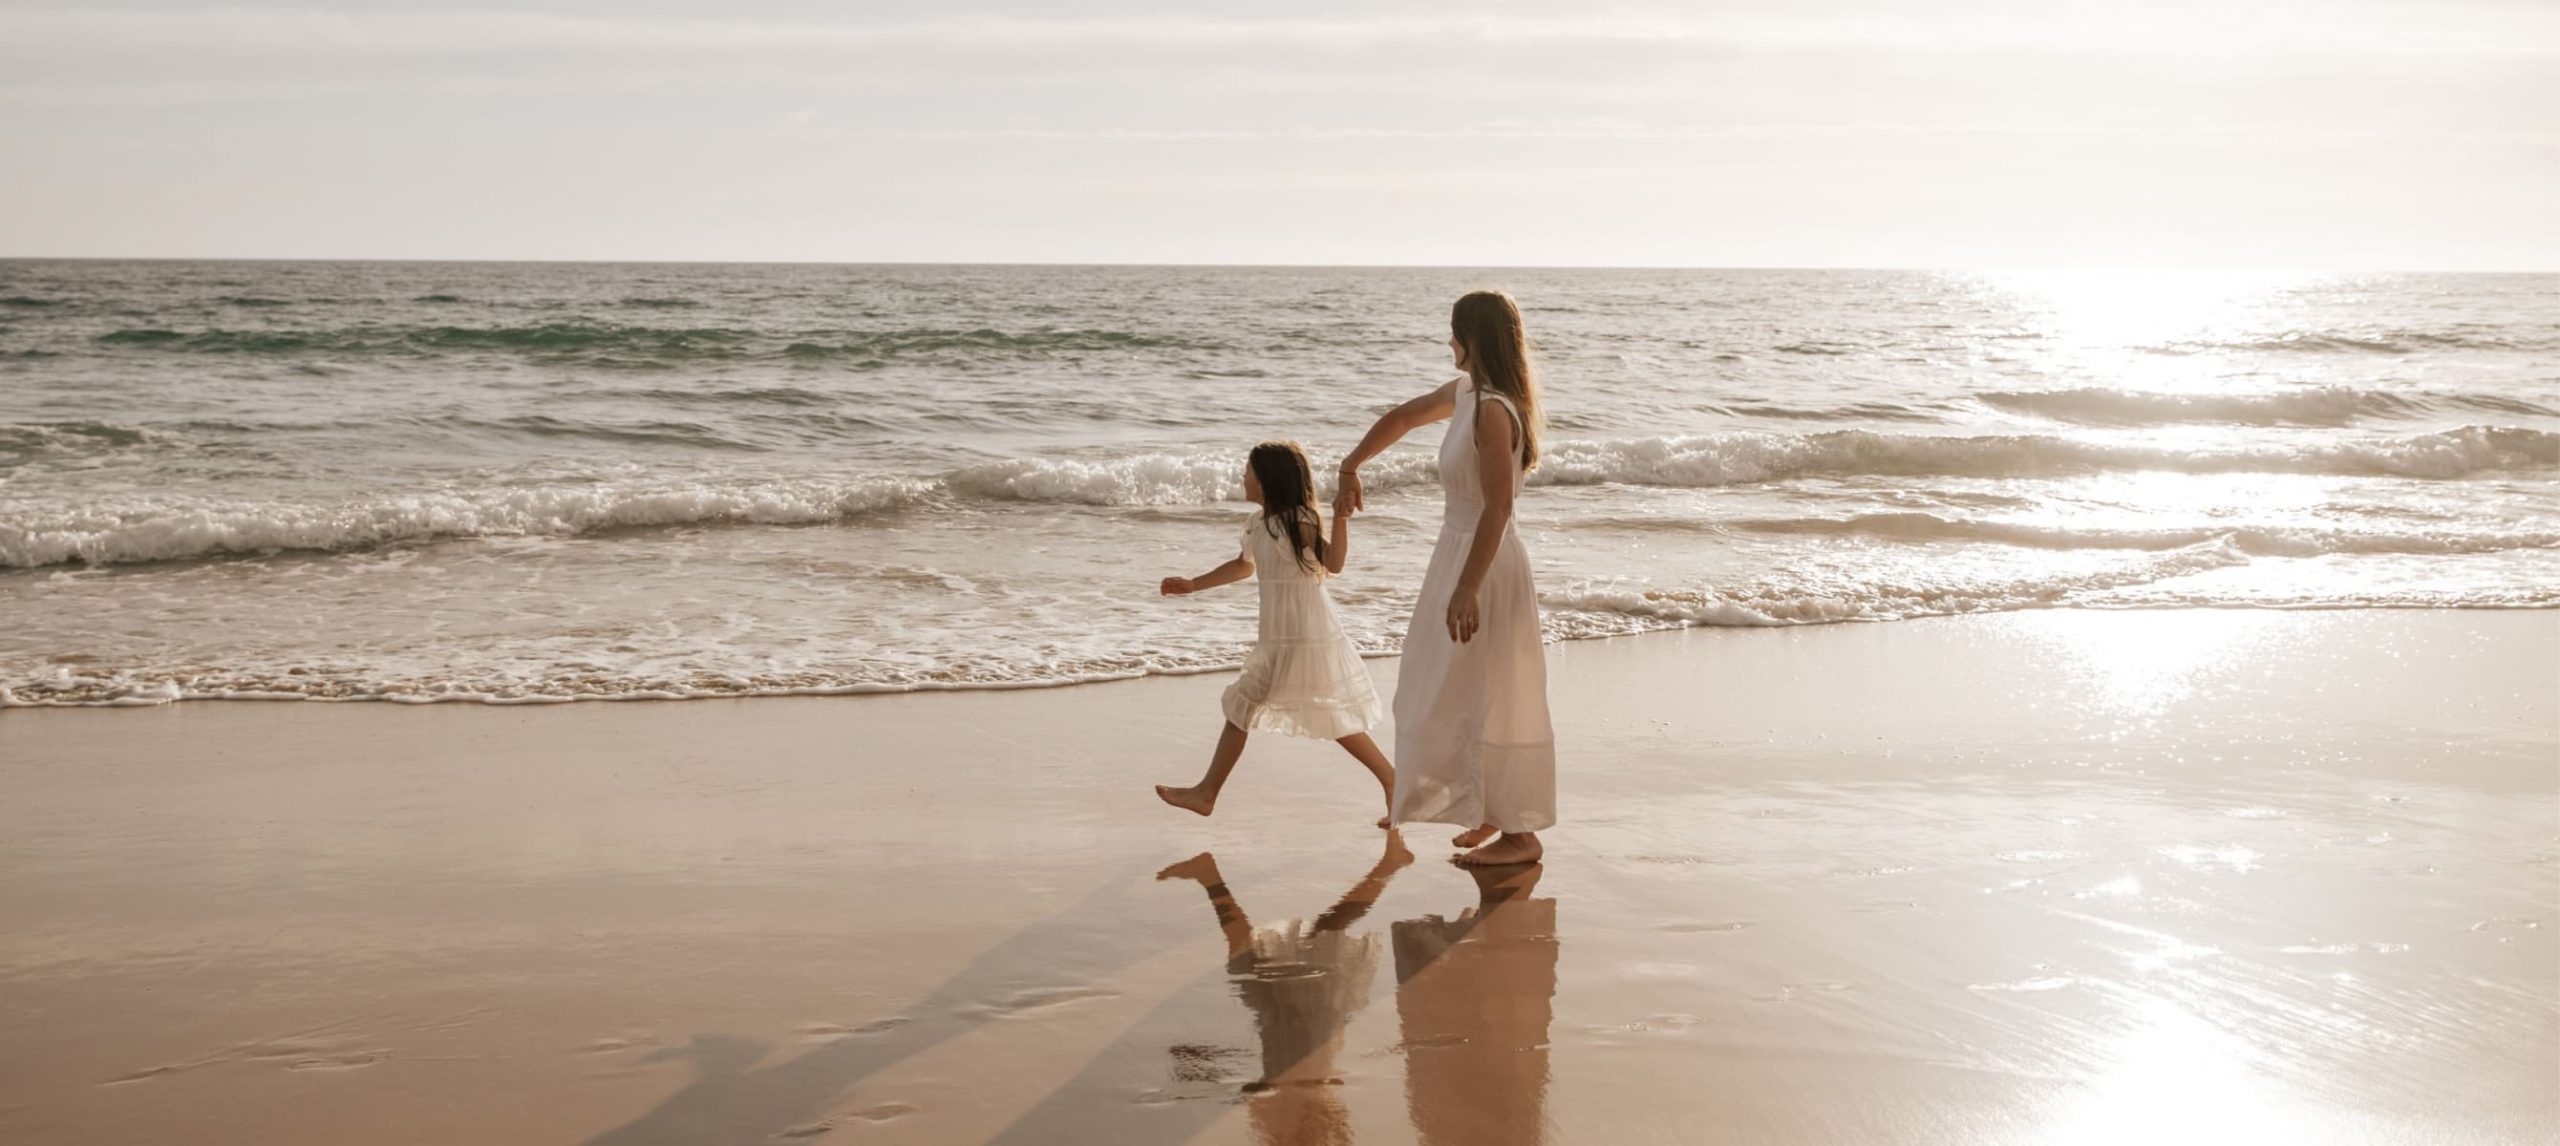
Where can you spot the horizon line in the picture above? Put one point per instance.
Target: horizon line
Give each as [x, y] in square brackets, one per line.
[1142, 265]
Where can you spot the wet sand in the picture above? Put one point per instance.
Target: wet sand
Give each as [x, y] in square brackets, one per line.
[2041, 877]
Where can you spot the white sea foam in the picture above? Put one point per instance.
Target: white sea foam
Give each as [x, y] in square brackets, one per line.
[1792, 603]
[170, 527]
[1743, 457]
[2263, 541]
[2304, 406]
[1015, 455]
[106, 530]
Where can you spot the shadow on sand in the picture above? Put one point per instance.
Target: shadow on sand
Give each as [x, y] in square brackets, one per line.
[1473, 999]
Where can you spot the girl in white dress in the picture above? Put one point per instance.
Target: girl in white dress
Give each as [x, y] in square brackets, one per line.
[1472, 730]
[1303, 676]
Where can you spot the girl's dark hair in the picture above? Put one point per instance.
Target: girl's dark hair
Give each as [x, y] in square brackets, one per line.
[1288, 499]
[1488, 324]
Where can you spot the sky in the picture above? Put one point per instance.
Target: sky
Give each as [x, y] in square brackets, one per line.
[2345, 134]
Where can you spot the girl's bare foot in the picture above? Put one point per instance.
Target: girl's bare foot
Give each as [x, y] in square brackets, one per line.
[1510, 848]
[1386, 822]
[1187, 799]
[1472, 836]
[1202, 867]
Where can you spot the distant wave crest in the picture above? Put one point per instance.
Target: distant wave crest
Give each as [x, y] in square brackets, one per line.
[1781, 604]
[2367, 341]
[108, 530]
[2316, 406]
[612, 341]
[172, 529]
[1741, 457]
[2253, 541]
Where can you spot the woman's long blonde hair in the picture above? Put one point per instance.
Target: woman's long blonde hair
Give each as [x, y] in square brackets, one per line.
[1487, 323]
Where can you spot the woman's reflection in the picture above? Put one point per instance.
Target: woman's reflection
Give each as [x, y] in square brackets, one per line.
[1475, 994]
[1303, 982]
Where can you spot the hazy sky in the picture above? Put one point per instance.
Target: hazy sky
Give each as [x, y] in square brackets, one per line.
[2317, 133]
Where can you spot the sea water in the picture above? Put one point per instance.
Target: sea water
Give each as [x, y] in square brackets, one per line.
[534, 482]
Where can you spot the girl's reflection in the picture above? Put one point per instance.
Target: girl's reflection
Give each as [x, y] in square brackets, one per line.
[1303, 982]
[1475, 994]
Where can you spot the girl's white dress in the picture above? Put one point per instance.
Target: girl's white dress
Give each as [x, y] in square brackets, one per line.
[1303, 677]
[1473, 742]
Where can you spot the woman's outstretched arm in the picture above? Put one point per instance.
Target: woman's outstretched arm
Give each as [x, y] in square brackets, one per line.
[1391, 426]
[1497, 456]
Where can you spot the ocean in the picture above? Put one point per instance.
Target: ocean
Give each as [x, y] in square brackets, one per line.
[551, 482]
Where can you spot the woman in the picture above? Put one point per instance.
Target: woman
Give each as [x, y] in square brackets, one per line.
[1473, 744]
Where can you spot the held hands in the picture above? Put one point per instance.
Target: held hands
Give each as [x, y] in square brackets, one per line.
[1175, 587]
[1346, 497]
[1463, 617]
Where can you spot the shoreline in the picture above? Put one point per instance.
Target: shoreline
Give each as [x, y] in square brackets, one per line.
[2014, 878]
[9, 702]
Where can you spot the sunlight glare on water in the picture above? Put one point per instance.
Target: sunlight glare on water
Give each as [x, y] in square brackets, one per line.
[2120, 310]
[2171, 1076]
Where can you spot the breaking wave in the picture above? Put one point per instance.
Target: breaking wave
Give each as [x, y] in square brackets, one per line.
[652, 343]
[1701, 460]
[2319, 406]
[2254, 541]
[106, 531]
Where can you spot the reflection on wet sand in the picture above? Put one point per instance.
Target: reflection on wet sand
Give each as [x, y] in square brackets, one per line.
[1474, 995]
[1473, 999]
[1303, 982]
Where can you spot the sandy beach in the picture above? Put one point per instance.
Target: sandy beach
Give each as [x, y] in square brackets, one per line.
[2063, 876]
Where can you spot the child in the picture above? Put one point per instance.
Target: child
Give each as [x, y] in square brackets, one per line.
[1303, 677]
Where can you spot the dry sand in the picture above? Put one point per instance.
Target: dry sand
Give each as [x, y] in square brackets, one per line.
[2045, 877]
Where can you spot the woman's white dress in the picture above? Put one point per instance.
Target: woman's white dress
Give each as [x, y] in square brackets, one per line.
[1473, 742]
[1303, 676]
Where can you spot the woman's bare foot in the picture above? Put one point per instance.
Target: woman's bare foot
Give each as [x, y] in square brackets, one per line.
[1472, 836]
[1509, 848]
[1187, 799]
[1387, 822]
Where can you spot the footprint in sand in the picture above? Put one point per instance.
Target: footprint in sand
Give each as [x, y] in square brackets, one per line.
[1041, 999]
[338, 1062]
[1672, 1023]
[142, 1075]
[884, 1112]
[610, 1045]
[296, 1056]
[1793, 991]
[830, 1032]
[1195, 1062]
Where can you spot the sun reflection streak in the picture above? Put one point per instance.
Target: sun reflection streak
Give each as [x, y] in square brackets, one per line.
[2173, 1077]
[2141, 670]
[2129, 309]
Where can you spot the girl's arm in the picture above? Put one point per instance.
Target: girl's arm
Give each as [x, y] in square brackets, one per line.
[1394, 424]
[1338, 550]
[1495, 459]
[1227, 574]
